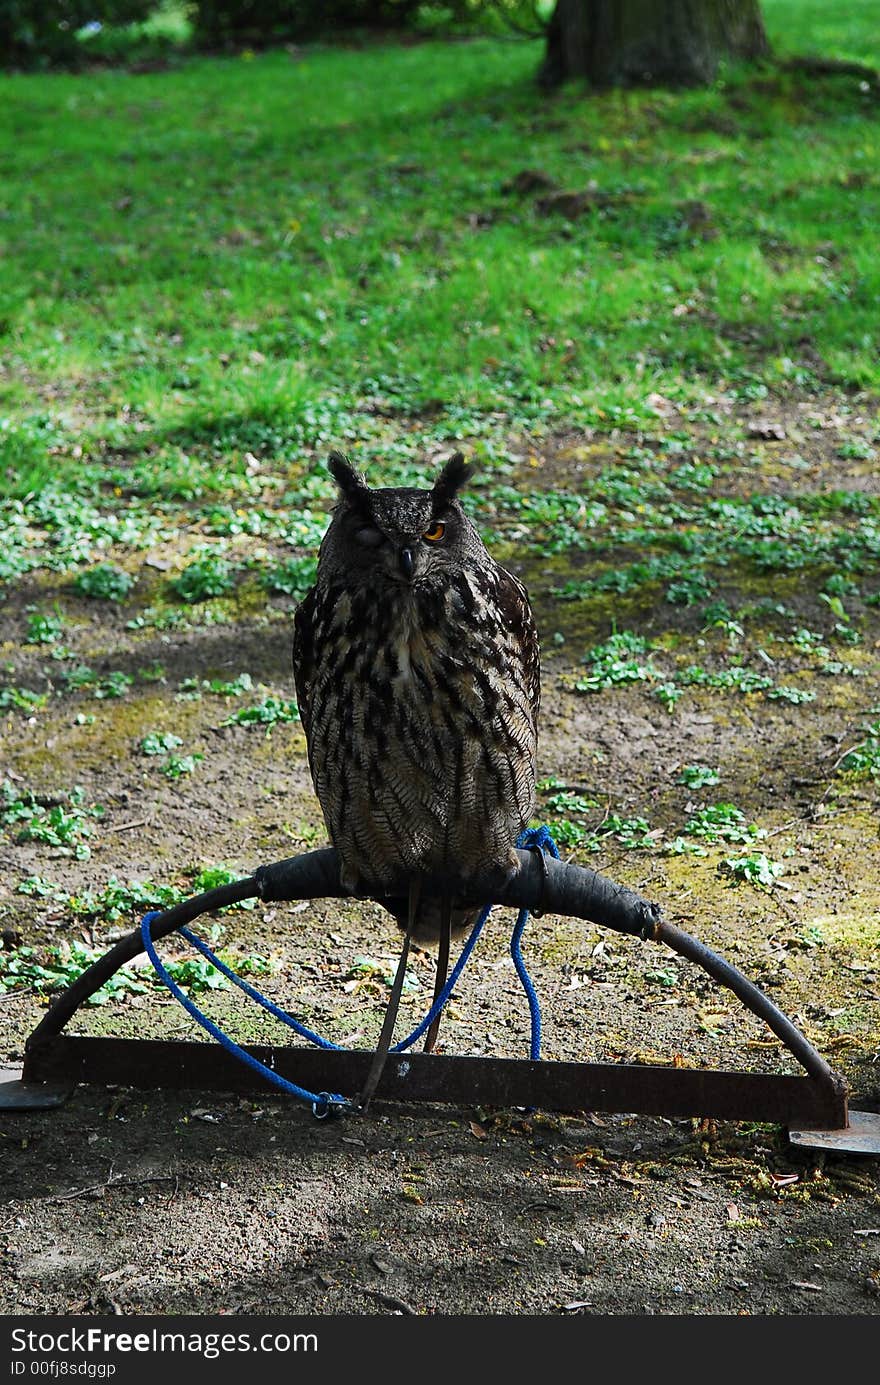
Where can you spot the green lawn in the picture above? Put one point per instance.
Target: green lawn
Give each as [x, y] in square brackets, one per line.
[272, 253]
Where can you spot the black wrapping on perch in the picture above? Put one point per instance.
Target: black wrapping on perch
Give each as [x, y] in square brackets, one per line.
[539, 885]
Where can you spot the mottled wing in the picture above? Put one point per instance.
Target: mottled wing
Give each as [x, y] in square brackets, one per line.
[303, 656]
[513, 603]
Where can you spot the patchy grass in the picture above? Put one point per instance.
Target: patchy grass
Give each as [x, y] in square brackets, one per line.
[25, 969]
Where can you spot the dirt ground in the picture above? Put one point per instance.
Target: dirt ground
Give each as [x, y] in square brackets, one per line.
[125, 1201]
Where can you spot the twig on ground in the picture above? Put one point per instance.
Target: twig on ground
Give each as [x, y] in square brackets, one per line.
[127, 826]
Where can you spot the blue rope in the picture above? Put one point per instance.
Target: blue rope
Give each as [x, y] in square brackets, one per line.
[533, 838]
[444, 995]
[322, 1103]
[254, 994]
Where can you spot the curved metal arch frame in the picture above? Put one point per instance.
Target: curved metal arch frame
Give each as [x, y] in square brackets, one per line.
[811, 1105]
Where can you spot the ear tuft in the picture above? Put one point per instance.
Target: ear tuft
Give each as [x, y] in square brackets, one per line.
[350, 482]
[453, 476]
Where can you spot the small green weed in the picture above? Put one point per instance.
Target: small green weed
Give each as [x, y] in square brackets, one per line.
[721, 822]
[104, 583]
[191, 689]
[796, 696]
[22, 969]
[567, 802]
[152, 673]
[158, 618]
[697, 776]
[206, 577]
[43, 628]
[39, 888]
[756, 869]
[22, 699]
[293, 578]
[736, 679]
[78, 677]
[156, 743]
[615, 663]
[633, 834]
[863, 761]
[669, 694]
[118, 900]
[112, 685]
[268, 713]
[568, 833]
[65, 824]
[179, 766]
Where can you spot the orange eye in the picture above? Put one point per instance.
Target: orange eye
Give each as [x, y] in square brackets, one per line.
[435, 533]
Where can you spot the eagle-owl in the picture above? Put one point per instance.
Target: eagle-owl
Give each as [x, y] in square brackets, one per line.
[417, 672]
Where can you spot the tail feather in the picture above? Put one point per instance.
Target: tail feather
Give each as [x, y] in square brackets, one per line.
[429, 925]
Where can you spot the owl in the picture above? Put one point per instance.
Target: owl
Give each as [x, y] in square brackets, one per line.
[417, 671]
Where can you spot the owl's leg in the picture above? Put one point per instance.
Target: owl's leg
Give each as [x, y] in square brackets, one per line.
[384, 1044]
[442, 967]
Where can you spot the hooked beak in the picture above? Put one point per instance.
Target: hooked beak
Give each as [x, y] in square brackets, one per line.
[405, 561]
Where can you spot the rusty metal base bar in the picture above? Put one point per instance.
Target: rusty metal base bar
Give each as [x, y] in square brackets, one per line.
[801, 1102]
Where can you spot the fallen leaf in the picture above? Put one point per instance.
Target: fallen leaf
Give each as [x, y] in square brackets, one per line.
[767, 430]
[118, 1274]
[399, 1305]
[479, 1131]
[733, 1212]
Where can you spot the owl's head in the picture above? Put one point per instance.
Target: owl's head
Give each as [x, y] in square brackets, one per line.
[398, 535]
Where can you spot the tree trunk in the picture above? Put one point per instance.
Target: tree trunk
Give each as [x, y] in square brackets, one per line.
[650, 42]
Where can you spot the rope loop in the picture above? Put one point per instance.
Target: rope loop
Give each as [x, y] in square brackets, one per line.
[301, 1093]
[327, 1104]
[540, 840]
